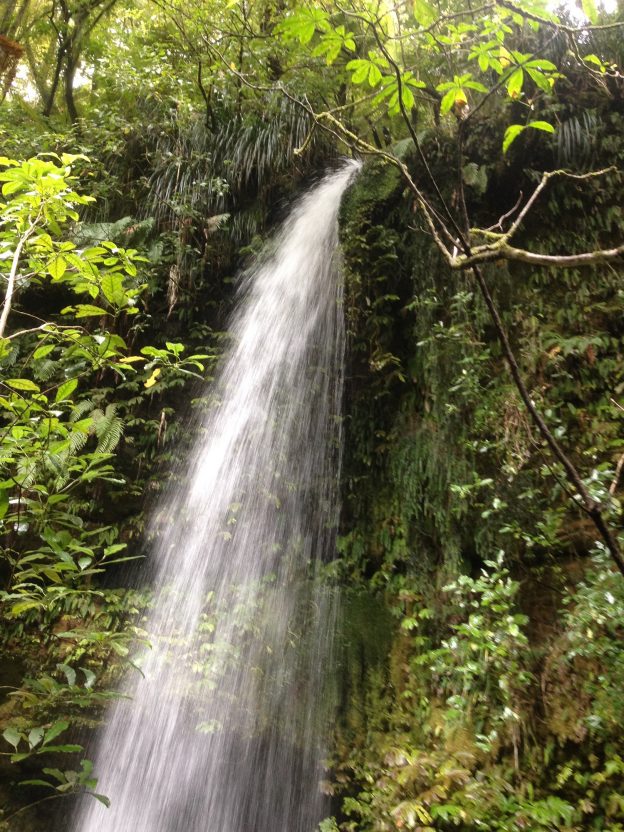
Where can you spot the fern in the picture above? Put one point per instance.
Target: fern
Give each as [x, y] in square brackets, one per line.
[108, 428]
[80, 409]
[576, 140]
[45, 369]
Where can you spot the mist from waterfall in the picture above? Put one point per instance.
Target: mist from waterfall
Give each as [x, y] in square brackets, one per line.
[225, 732]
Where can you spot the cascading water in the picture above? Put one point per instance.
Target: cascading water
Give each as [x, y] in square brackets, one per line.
[224, 733]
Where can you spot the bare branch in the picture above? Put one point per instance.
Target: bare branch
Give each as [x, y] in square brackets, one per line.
[546, 177]
[12, 278]
[500, 251]
[505, 216]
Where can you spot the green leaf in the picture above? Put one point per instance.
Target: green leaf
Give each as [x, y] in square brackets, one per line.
[590, 10]
[447, 101]
[594, 59]
[407, 97]
[541, 125]
[22, 384]
[41, 352]
[86, 310]
[66, 389]
[89, 677]
[302, 24]
[69, 672]
[511, 134]
[113, 290]
[24, 606]
[56, 773]
[4, 502]
[102, 798]
[374, 75]
[424, 12]
[514, 84]
[12, 736]
[35, 736]
[36, 783]
[53, 732]
[57, 267]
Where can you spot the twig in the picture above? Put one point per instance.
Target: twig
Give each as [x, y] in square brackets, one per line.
[616, 476]
[506, 216]
[12, 278]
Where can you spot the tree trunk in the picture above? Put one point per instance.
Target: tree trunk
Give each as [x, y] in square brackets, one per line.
[71, 65]
[58, 67]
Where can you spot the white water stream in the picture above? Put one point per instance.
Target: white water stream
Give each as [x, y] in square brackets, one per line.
[225, 732]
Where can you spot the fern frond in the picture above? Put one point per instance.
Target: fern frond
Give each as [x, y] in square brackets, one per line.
[80, 409]
[108, 428]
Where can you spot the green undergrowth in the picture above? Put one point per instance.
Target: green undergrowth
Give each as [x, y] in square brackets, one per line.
[495, 703]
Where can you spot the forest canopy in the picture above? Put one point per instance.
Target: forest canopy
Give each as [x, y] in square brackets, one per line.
[147, 149]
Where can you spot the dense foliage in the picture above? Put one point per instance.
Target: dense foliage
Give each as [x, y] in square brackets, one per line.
[148, 147]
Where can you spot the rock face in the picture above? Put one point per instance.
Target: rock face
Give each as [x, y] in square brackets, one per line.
[442, 472]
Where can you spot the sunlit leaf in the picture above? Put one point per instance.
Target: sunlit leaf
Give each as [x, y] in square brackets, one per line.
[511, 134]
[66, 389]
[424, 12]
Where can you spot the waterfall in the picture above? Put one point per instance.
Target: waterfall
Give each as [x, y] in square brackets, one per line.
[224, 732]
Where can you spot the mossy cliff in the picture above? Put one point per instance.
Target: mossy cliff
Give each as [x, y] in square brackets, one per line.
[496, 703]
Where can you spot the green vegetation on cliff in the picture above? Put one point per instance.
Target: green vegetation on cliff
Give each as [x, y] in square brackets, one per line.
[147, 149]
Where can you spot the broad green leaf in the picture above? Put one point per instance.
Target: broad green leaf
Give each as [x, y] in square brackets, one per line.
[374, 75]
[56, 773]
[360, 71]
[364, 70]
[35, 736]
[66, 389]
[53, 732]
[12, 187]
[86, 310]
[12, 736]
[543, 64]
[407, 97]
[475, 85]
[4, 502]
[590, 10]
[542, 125]
[102, 798]
[514, 84]
[41, 352]
[89, 677]
[447, 101]
[23, 384]
[594, 59]
[24, 606]
[544, 82]
[113, 290]
[511, 134]
[302, 24]
[68, 672]
[57, 267]
[424, 12]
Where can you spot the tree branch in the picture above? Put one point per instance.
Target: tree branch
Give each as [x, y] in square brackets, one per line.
[12, 278]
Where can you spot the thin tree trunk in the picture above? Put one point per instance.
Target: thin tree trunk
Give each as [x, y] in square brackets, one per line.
[58, 67]
[71, 65]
